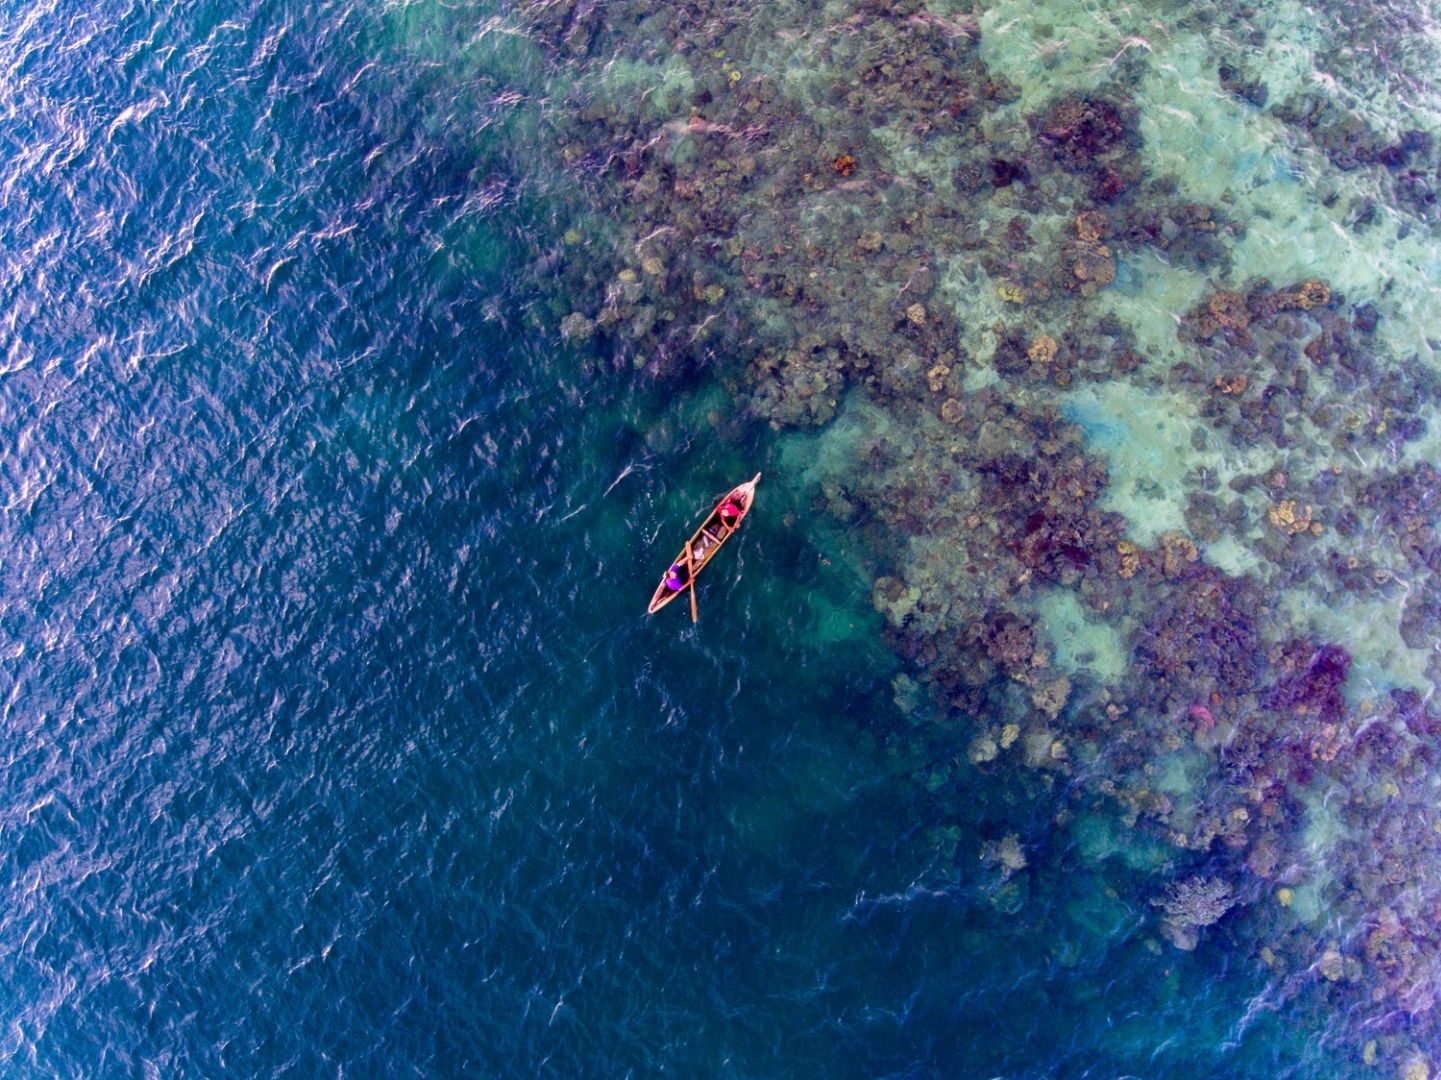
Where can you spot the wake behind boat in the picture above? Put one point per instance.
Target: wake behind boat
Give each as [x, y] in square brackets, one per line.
[715, 530]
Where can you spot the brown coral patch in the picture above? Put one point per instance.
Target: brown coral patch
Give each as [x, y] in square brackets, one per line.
[1290, 517]
[1130, 558]
[1228, 309]
[1313, 294]
[1177, 551]
[1078, 130]
[1305, 296]
[1095, 266]
[1043, 349]
[1011, 643]
[1090, 226]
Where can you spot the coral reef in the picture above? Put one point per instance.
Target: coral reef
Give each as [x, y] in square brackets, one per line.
[1094, 137]
[1192, 905]
[1311, 678]
[906, 234]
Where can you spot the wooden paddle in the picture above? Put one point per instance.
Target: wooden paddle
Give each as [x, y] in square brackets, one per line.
[690, 567]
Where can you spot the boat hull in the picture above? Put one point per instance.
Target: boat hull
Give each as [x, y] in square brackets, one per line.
[705, 542]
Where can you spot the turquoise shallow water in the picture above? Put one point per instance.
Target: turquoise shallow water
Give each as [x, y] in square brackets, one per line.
[335, 739]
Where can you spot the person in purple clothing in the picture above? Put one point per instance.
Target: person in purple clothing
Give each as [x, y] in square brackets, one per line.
[676, 577]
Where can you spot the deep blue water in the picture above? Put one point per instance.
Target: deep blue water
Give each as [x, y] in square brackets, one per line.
[335, 740]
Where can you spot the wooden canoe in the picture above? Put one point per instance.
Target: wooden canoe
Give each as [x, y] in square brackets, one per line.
[705, 542]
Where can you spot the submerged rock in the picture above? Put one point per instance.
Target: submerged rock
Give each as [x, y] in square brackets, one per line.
[1416, 1067]
[1190, 906]
[1095, 266]
[982, 749]
[1331, 965]
[576, 327]
[1050, 697]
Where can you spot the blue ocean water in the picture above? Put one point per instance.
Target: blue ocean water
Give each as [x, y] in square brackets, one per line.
[336, 741]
